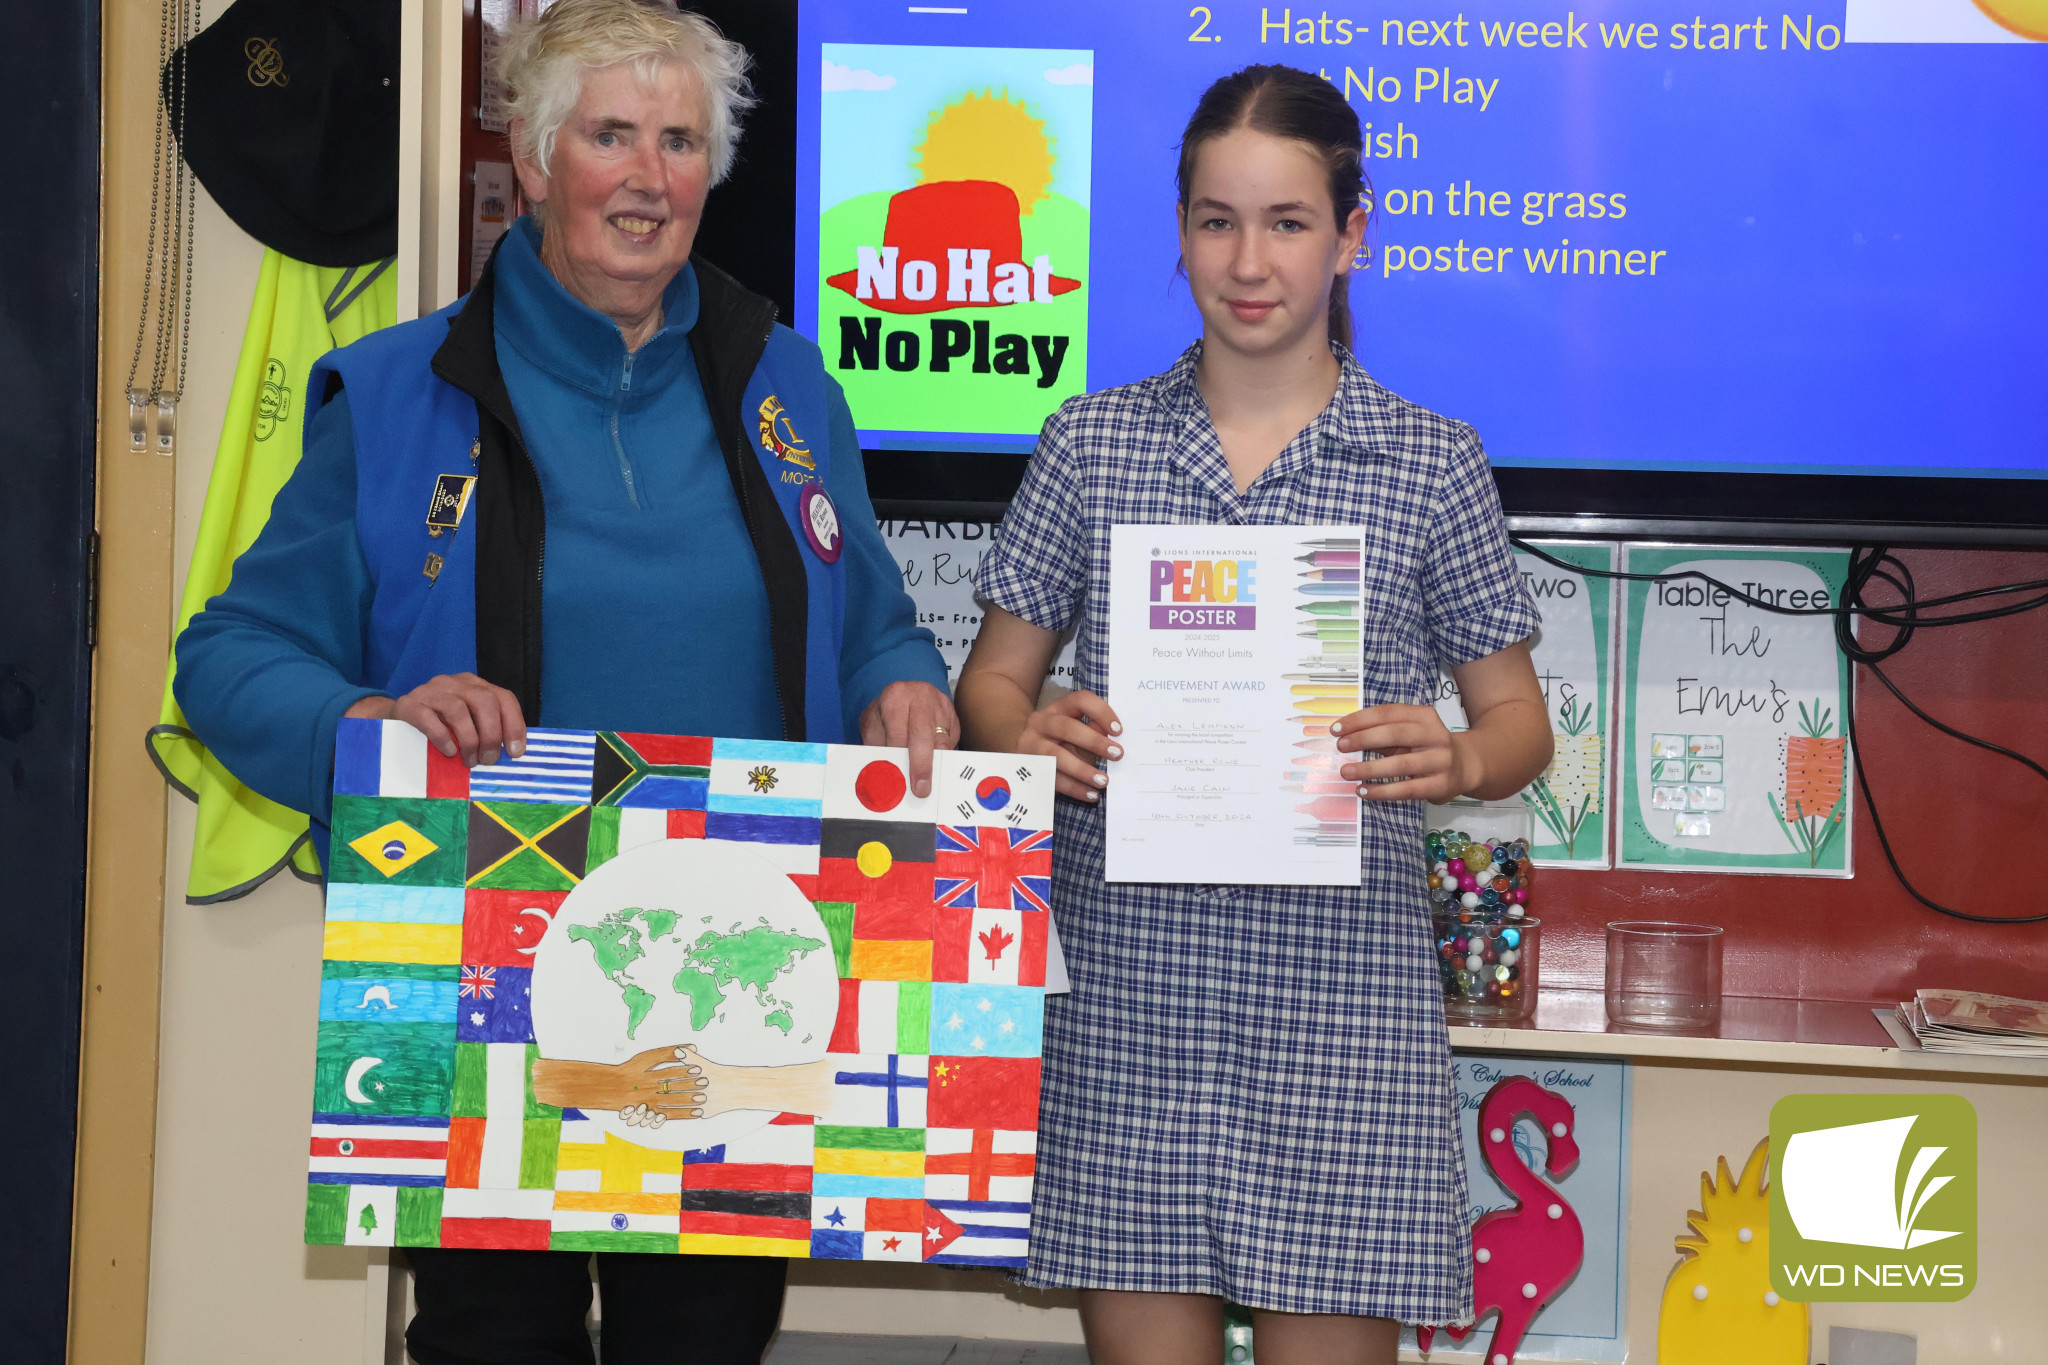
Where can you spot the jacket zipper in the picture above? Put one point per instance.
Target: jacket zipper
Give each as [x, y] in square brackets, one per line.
[618, 445]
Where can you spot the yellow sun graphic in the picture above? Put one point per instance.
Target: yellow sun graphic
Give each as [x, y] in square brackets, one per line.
[989, 136]
[2028, 18]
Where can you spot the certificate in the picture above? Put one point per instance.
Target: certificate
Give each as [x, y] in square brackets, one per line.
[1231, 650]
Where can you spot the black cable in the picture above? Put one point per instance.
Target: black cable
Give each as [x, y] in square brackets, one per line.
[1874, 564]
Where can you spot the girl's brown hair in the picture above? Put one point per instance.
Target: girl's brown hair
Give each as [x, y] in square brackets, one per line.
[1281, 101]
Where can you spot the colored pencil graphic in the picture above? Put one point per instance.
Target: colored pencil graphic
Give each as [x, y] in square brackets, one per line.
[1330, 575]
[1329, 559]
[1329, 608]
[1331, 809]
[1349, 590]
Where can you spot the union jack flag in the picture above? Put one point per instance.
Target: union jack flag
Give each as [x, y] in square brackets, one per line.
[984, 868]
[479, 983]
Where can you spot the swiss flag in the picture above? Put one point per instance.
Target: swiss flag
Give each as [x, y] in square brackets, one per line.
[504, 928]
[988, 947]
[982, 1092]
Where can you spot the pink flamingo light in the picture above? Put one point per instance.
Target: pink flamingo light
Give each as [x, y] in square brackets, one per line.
[1522, 1255]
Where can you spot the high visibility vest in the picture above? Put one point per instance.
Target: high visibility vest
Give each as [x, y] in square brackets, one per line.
[300, 313]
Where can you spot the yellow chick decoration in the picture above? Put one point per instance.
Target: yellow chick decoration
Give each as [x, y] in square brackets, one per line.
[1718, 1304]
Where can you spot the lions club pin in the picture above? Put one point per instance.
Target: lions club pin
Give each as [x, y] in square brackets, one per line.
[820, 520]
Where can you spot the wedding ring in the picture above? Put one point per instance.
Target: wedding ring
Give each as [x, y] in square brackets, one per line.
[941, 729]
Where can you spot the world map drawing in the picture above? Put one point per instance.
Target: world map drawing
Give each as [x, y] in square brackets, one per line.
[750, 958]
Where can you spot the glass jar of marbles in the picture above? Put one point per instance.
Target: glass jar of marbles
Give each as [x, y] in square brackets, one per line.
[1481, 884]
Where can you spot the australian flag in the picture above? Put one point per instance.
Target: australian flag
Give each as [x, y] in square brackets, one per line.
[983, 868]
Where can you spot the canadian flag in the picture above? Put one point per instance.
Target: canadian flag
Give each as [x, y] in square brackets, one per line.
[989, 947]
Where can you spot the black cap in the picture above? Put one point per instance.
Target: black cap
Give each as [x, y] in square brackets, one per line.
[291, 123]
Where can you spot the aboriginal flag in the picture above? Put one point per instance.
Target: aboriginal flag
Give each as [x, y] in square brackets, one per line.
[873, 861]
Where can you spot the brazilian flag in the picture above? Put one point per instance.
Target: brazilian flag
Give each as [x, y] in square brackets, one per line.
[398, 841]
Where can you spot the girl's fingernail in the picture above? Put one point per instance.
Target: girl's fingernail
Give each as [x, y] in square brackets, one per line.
[1361, 789]
[1336, 727]
[1091, 796]
[517, 748]
[1115, 751]
[1116, 727]
[1102, 779]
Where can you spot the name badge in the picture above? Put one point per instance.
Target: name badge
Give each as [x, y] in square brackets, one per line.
[451, 500]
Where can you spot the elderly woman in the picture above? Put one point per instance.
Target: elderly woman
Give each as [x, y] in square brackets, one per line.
[604, 490]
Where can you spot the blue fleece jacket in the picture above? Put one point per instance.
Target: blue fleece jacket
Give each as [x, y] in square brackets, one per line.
[654, 613]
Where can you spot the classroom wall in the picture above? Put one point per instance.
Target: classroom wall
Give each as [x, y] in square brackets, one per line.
[1956, 816]
[230, 1281]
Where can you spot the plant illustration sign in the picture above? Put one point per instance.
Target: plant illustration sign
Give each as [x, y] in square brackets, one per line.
[1574, 657]
[1734, 756]
[673, 994]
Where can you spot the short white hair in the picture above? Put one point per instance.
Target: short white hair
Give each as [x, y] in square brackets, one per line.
[542, 62]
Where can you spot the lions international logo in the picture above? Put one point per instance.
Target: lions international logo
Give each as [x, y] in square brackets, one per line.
[778, 436]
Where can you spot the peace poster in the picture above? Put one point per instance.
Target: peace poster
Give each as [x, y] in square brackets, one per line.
[674, 994]
[1734, 750]
[1574, 657]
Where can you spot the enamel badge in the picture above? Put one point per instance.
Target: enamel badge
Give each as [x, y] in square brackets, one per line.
[820, 520]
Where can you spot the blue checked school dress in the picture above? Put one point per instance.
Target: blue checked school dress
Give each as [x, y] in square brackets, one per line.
[1248, 1092]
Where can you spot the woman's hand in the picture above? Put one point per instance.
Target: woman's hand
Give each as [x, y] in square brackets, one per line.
[459, 713]
[1420, 759]
[1075, 730]
[914, 716]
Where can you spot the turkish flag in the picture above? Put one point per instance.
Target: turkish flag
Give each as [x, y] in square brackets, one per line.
[982, 1092]
[504, 928]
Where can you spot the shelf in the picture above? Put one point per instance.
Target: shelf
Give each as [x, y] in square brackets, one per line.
[1811, 1033]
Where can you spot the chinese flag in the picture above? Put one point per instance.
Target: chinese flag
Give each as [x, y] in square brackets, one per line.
[983, 1092]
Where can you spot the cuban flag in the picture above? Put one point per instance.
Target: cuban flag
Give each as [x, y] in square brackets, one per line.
[986, 868]
[977, 1232]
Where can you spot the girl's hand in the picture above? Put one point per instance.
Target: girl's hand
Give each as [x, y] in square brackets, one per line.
[1420, 759]
[1075, 730]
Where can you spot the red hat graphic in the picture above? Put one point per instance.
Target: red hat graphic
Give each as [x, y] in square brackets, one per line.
[926, 220]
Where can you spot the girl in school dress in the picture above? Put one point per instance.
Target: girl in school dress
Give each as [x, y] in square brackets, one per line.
[1248, 1093]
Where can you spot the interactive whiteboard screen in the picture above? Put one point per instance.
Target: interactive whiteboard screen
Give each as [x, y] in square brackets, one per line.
[1609, 235]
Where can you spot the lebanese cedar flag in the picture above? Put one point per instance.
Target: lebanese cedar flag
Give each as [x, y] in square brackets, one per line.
[982, 1092]
[989, 947]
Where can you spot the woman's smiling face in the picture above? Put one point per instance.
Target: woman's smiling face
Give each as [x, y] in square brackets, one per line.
[625, 189]
[1260, 240]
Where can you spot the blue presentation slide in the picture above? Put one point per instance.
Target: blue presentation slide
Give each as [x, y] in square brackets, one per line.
[1609, 234]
